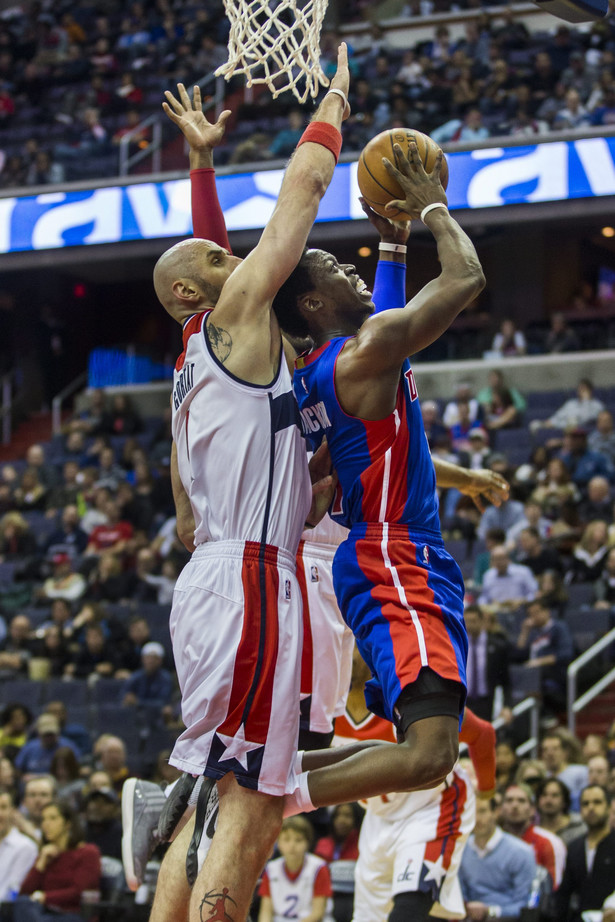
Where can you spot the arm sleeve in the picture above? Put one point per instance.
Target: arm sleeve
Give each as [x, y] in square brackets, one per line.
[207, 216]
[322, 882]
[33, 881]
[389, 285]
[480, 737]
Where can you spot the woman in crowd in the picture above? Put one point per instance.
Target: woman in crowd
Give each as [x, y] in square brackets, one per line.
[604, 587]
[556, 489]
[65, 769]
[589, 555]
[506, 763]
[341, 850]
[66, 867]
[16, 538]
[14, 723]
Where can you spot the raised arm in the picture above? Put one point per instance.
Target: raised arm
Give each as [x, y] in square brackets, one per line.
[386, 340]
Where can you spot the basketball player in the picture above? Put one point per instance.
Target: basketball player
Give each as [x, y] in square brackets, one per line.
[240, 472]
[410, 845]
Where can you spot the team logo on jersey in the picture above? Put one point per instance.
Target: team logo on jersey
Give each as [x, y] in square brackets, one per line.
[409, 376]
[426, 556]
[314, 574]
[407, 874]
[184, 382]
[287, 591]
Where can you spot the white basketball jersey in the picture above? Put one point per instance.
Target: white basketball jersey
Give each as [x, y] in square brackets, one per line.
[241, 456]
[327, 533]
[292, 899]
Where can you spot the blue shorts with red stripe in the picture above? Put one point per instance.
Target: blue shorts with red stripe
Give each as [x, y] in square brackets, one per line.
[401, 593]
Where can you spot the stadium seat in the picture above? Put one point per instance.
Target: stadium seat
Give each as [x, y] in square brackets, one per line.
[579, 594]
[524, 682]
[23, 691]
[72, 693]
[587, 626]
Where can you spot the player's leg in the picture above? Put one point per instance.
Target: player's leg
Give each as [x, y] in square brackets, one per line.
[248, 825]
[373, 871]
[172, 897]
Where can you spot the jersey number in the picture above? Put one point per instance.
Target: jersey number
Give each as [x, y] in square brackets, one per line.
[409, 376]
[290, 911]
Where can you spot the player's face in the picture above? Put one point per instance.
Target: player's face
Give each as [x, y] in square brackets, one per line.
[341, 283]
[217, 265]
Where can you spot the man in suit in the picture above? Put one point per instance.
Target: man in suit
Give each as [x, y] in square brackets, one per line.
[588, 875]
[487, 667]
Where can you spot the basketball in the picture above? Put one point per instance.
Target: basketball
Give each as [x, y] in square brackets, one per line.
[377, 187]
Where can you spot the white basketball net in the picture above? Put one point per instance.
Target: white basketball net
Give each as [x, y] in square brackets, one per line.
[276, 45]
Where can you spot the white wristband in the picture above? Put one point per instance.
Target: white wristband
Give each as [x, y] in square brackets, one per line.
[393, 247]
[431, 207]
[339, 93]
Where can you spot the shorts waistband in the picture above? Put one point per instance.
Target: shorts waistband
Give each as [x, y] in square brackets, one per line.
[315, 549]
[246, 550]
[374, 531]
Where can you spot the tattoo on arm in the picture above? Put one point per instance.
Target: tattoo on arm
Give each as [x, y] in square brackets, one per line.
[220, 340]
[214, 906]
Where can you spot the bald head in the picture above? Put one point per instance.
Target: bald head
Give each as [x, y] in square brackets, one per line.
[189, 276]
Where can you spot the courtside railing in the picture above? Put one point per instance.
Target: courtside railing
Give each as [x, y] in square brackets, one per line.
[575, 705]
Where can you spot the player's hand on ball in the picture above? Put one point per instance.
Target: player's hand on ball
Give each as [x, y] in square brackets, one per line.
[390, 231]
[421, 188]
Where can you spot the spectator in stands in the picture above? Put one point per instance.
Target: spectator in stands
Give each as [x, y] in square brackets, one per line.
[493, 538]
[434, 429]
[69, 537]
[65, 769]
[31, 494]
[496, 380]
[506, 764]
[602, 438]
[95, 657]
[516, 817]
[286, 139]
[556, 489]
[501, 412]
[594, 745]
[598, 770]
[17, 543]
[164, 583]
[340, 849]
[13, 174]
[67, 492]
[506, 585]
[107, 581]
[460, 431]
[535, 554]
[64, 583]
[468, 129]
[532, 518]
[152, 685]
[547, 644]
[598, 504]
[110, 473]
[555, 813]
[103, 825]
[35, 757]
[582, 410]
[14, 723]
[561, 337]
[129, 659]
[50, 645]
[505, 516]
[18, 852]
[573, 115]
[556, 752]
[509, 341]
[15, 649]
[588, 876]
[463, 393]
[44, 170]
[111, 753]
[89, 420]
[113, 536]
[76, 733]
[604, 587]
[551, 592]
[37, 793]
[64, 859]
[90, 139]
[487, 665]
[496, 870]
[590, 554]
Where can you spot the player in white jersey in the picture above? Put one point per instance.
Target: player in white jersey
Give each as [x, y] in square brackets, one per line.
[410, 845]
[241, 488]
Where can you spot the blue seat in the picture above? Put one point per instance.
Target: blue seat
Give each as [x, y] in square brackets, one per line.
[24, 691]
[72, 693]
[587, 626]
[107, 692]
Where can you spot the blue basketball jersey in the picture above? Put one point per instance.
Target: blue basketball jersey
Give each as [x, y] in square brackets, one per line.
[384, 467]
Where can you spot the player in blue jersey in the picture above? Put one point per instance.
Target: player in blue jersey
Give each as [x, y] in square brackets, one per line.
[397, 587]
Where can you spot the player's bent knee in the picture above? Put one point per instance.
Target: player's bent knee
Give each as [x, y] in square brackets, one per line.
[414, 905]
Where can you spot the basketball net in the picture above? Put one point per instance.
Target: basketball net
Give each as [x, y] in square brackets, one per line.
[283, 42]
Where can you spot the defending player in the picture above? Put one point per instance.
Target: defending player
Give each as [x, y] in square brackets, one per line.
[410, 845]
[240, 472]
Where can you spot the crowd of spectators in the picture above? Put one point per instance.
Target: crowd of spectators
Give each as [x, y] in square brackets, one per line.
[89, 556]
[75, 78]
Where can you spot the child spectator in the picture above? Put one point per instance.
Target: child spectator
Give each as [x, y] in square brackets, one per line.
[297, 885]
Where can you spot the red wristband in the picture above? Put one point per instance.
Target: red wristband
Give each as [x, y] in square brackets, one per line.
[324, 134]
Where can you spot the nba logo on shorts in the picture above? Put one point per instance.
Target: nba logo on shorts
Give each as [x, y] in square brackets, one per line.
[426, 556]
[314, 574]
[287, 589]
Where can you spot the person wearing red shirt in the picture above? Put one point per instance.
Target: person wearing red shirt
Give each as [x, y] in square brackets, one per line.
[110, 537]
[66, 867]
[517, 814]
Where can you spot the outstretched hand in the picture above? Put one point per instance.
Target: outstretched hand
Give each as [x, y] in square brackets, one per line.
[187, 114]
[341, 79]
[390, 231]
[420, 188]
[486, 485]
